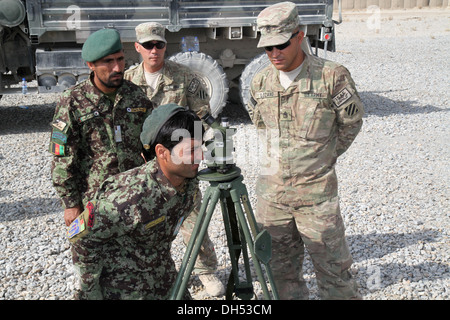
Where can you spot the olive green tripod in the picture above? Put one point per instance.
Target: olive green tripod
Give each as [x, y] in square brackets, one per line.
[231, 192]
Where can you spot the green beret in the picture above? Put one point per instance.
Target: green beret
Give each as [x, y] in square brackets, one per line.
[156, 120]
[101, 44]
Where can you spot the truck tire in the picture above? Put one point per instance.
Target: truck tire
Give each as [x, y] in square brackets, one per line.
[211, 73]
[256, 65]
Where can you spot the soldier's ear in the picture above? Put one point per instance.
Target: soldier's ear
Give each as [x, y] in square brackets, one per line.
[91, 65]
[161, 153]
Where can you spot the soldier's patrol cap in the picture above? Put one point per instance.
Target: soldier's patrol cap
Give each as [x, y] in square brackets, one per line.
[150, 31]
[155, 121]
[277, 23]
[101, 44]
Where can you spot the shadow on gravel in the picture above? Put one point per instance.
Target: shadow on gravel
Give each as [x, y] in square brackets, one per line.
[378, 105]
[377, 245]
[28, 208]
[36, 118]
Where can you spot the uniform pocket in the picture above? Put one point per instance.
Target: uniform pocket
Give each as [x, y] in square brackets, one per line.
[322, 122]
[94, 132]
[314, 120]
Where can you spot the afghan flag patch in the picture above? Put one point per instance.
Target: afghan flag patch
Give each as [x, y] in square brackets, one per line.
[57, 149]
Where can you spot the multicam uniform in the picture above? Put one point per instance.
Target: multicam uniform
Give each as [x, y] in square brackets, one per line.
[95, 136]
[179, 85]
[308, 126]
[122, 240]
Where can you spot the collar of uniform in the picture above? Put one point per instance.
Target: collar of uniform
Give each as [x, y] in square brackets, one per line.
[169, 71]
[303, 78]
[167, 77]
[139, 77]
[167, 189]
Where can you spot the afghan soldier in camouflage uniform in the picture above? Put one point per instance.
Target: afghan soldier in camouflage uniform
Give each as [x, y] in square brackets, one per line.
[311, 113]
[122, 240]
[96, 125]
[165, 82]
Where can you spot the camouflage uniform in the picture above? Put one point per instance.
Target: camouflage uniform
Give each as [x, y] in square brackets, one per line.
[93, 138]
[308, 125]
[122, 240]
[179, 85]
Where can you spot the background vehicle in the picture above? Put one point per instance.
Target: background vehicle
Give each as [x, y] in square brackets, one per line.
[42, 39]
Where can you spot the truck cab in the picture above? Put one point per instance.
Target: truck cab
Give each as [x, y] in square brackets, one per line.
[42, 39]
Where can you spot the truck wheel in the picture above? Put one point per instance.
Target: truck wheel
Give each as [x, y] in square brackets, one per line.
[256, 65]
[211, 73]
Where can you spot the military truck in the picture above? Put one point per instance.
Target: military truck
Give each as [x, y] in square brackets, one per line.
[41, 39]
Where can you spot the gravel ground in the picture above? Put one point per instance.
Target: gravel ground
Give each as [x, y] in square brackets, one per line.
[393, 180]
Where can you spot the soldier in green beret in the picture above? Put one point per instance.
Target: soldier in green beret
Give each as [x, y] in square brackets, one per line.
[311, 113]
[122, 240]
[166, 81]
[96, 125]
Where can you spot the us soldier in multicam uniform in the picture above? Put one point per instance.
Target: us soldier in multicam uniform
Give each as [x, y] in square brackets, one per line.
[311, 112]
[165, 82]
[122, 240]
[96, 125]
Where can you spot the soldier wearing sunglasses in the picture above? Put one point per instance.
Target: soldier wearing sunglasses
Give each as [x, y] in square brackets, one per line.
[167, 82]
[312, 106]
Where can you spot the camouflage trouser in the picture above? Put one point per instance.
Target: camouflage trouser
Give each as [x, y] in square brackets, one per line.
[320, 228]
[206, 259]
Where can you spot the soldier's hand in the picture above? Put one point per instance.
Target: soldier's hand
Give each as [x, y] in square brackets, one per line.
[71, 214]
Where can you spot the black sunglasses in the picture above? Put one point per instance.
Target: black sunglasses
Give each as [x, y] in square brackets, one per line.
[281, 46]
[150, 45]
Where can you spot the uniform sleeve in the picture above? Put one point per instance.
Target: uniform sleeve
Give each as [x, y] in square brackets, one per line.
[64, 143]
[196, 95]
[90, 234]
[349, 109]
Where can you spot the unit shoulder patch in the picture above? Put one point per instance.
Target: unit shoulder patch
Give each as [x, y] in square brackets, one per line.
[193, 86]
[351, 109]
[343, 96]
[76, 227]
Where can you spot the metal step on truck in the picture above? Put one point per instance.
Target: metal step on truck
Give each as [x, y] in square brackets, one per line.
[41, 39]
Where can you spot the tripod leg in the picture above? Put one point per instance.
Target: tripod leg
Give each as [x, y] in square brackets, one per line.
[236, 245]
[239, 193]
[187, 265]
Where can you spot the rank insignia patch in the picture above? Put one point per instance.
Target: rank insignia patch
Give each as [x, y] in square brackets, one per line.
[153, 223]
